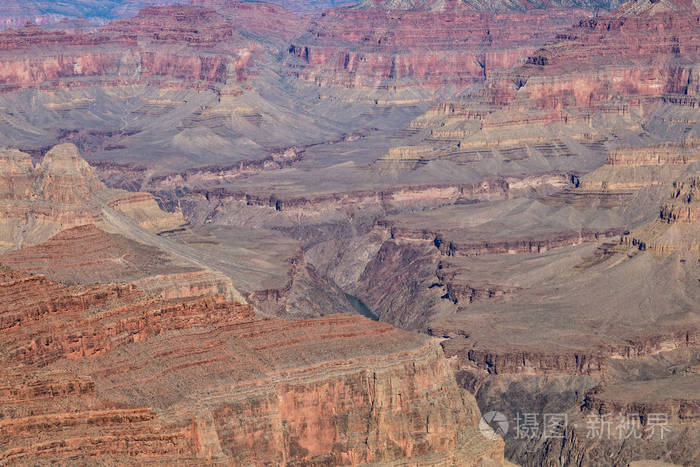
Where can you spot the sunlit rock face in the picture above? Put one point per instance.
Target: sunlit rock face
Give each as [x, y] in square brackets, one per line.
[233, 388]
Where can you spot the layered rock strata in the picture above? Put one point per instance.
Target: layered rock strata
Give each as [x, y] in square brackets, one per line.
[161, 44]
[643, 51]
[60, 192]
[376, 48]
[393, 389]
[149, 357]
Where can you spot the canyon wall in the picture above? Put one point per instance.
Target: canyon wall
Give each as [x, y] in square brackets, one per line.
[132, 50]
[393, 388]
[219, 42]
[174, 367]
[643, 51]
[374, 48]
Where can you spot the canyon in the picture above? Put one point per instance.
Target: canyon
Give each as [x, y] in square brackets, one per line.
[216, 380]
[251, 233]
[257, 404]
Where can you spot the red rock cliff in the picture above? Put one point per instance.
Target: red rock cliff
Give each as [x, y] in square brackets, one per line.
[204, 379]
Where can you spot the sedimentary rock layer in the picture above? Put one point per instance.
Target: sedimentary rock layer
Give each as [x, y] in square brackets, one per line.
[453, 46]
[60, 192]
[215, 383]
[159, 44]
[645, 50]
[207, 47]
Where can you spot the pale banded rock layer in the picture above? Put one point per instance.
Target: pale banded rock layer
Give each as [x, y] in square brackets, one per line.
[60, 192]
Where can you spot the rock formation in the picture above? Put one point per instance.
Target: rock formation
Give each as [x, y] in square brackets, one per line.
[214, 381]
[128, 51]
[266, 399]
[375, 48]
[464, 46]
[644, 51]
[60, 192]
[522, 190]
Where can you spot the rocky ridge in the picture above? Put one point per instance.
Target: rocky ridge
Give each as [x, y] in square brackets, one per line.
[61, 192]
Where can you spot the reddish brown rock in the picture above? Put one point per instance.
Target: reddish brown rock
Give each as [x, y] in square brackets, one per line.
[214, 382]
[644, 51]
[87, 254]
[160, 43]
[457, 46]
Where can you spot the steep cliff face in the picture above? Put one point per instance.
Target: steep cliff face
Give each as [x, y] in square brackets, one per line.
[643, 51]
[374, 48]
[255, 390]
[159, 43]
